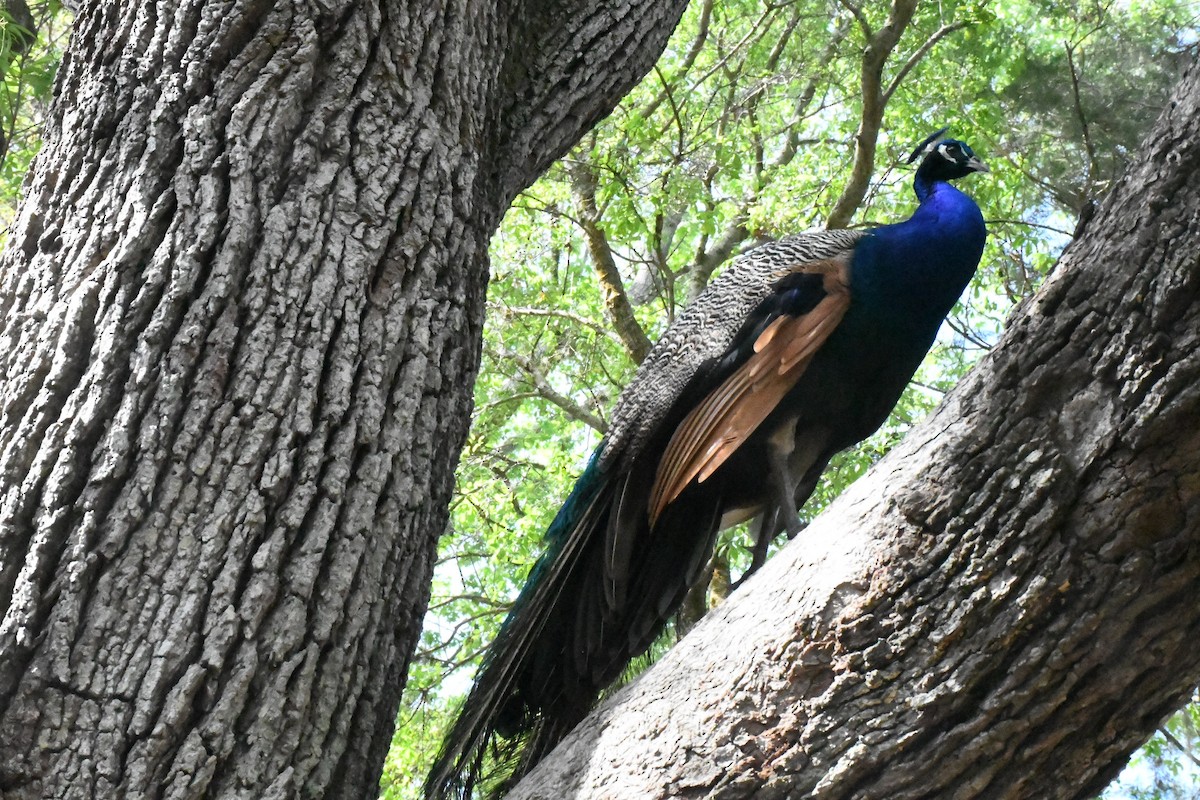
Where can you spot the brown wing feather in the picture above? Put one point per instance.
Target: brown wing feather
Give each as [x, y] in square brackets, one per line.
[720, 424]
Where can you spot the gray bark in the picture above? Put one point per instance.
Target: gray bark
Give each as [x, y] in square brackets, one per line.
[1005, 607]
[240, 318]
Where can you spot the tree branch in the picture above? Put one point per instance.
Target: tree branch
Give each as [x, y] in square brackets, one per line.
[1183, 749]
[689, 60]
[575, 62]
[804, 99]
[879, 47]
[537, 378]
[616, 301]
[920, 53]
[863, 24]
[1089, 146]
[712, 257]
[577, 319]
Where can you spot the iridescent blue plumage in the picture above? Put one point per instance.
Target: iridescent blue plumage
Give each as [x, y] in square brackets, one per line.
[928, 277]
[797, 351]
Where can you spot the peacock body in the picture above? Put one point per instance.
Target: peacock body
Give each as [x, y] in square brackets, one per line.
[798, 350]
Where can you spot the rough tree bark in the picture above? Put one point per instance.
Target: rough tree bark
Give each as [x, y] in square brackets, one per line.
[1006, 606]
[239, 322]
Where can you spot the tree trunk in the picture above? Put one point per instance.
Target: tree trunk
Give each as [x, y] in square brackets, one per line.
[241, 315]
[1006, 607]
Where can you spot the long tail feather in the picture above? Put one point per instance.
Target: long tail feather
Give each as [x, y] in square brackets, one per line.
[493, 707]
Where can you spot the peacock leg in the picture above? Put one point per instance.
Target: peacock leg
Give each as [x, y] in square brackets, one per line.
[780, 449]
[779, 510]
[765, 531]
[786, 458]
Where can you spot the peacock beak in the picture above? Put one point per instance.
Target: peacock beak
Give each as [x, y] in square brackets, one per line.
[975, 164]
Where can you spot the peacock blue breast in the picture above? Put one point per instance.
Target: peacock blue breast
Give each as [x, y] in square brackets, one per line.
[910, 274]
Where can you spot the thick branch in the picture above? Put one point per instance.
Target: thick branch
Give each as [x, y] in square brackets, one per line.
[574, 63]
[1005, 606]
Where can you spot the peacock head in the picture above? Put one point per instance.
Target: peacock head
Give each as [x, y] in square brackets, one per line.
[945, 159]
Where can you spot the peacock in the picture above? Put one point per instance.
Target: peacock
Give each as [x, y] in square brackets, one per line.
[798, 350]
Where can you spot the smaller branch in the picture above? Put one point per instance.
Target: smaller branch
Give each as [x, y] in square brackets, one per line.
[578, 319]
[738, 46]
[804, 100]
[463, 622]
[929, 387]
[451, 665]
[688, 61]
[862, 19]
[484, 408]
[547, 392]
[760, 165]
[1087, 134]
[1062, 199]
[966, 333]
[665, 229]
[773, 58]
[915, 58]
[616, 300]
[1170, 737]
[592, 169]
[708, 261]
[680, 128]
[866, 138]
[548, 210]
[471, 554]
[1026, 223]
[481, 599]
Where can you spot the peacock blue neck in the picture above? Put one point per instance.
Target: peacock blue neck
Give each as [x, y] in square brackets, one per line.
[916, 269]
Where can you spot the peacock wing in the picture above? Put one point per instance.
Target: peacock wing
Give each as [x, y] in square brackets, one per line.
[733, 410]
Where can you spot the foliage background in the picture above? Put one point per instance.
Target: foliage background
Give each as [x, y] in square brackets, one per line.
[749, 128]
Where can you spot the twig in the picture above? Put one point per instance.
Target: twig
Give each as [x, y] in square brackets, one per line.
[581, 321]
[1087, 135]
[1170, 737]
[1028, 224]
[547, 392]
[920, 53]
